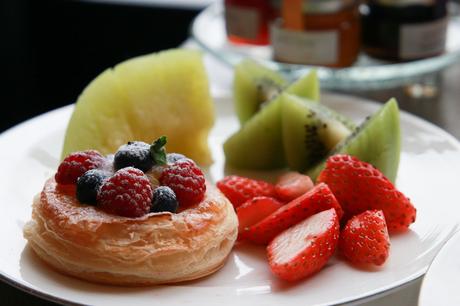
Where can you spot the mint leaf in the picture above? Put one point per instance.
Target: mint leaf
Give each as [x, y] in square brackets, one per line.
[158, 152]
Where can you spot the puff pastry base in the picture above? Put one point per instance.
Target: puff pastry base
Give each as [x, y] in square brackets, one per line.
[158, 248]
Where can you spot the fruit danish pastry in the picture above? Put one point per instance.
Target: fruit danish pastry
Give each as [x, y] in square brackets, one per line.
[136, 218]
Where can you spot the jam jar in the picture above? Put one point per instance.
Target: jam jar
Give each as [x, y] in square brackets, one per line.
[247, 21]
[404, 30]
[317, 32]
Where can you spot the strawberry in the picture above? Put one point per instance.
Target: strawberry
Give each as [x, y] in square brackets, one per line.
[252, 211]
[239, 189]
[304, 248]
[358, 187]
[292, 185]
[365, 240]
[317, 199]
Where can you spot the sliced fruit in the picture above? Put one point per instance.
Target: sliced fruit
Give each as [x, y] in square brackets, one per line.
[292, 185]
[317, 199]
[258, 144]
[306, 87]
[254, 210]
[358, 187]
[240, 189]
[263, 131]
[365, 240]
[376, 141]
[166, 93]
[310, 131]
[254, 85]
[304, 248]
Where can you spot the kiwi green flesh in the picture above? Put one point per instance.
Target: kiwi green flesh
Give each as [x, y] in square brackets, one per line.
[258, 144]
[310, 131]
[267, 90]
[376, 141]
[306, 87]
[253, 85]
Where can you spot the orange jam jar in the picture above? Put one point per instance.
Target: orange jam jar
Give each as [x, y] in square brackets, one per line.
[246, 21]
[318, 32]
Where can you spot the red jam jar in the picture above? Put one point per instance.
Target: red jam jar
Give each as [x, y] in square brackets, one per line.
[404, 30]
[318, 32]
[247, 21]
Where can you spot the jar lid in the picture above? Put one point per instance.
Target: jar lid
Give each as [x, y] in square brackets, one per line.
[406, 2]
[325, 6]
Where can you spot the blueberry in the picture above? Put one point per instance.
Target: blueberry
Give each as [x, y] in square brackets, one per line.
[133, 154]
[88, 185]
[173, 157]
[164, 199]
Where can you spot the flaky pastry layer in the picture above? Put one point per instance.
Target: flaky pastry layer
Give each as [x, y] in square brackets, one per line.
[158, 248]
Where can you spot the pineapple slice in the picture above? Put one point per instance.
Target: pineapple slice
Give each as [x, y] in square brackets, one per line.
[166, 93]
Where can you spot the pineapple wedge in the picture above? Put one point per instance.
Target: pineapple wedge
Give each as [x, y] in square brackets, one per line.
[166, 93]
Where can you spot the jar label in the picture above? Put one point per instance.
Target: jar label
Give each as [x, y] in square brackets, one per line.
[422, 39]
[311, 48]
[242, 21]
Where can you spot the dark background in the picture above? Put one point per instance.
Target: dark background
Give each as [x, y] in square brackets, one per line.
[51, 49]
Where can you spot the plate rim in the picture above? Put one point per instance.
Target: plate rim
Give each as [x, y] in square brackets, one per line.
[370, 295]
[446, 244]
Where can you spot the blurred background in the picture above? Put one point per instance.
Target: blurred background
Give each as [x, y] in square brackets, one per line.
[51, 49]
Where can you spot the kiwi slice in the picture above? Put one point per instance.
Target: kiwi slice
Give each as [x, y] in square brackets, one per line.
[306, 87]
[376, 141]
[253, 85]
[310, 131]
[258, 144]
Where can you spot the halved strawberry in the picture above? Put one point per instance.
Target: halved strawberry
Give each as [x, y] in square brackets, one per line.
[365, 240]
[359, 186]
[292, 185]
[252, 211]
[317, 199]
[304, 248]
[239, 189]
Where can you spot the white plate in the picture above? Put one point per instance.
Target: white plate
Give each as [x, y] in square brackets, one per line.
[29, 154]
[440, 285]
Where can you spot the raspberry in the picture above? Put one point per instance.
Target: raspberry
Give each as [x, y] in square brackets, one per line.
[239, 189]
[76, 164]
[134, 154]
[186, 180]
[127, 193]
